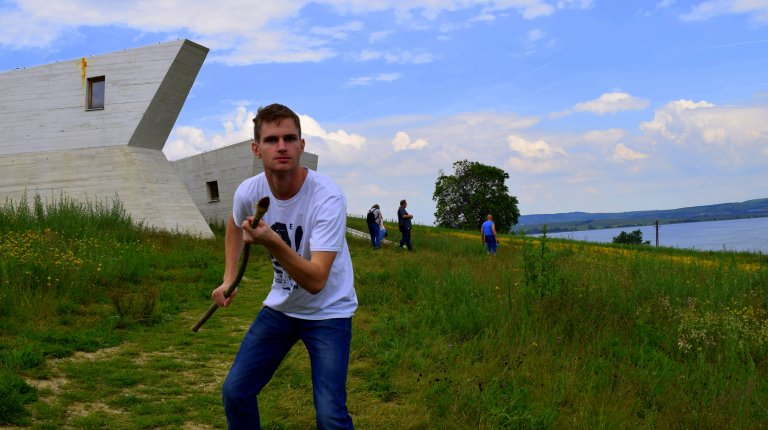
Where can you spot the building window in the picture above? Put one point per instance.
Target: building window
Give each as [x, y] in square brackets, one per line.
[96, 93]
[213, 191]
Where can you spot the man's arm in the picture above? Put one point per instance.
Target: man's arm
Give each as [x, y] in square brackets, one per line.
[311, 274]
[233, 246]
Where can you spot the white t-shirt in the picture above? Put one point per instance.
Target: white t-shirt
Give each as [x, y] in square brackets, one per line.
[314, 219]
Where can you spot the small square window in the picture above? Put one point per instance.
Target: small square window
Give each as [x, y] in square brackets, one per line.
[213, 191]
[96, 92]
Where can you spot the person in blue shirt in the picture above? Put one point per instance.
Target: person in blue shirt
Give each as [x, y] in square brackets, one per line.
[488, 233]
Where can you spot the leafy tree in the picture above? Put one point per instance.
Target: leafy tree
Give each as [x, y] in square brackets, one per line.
[634, 238]
[475, 190]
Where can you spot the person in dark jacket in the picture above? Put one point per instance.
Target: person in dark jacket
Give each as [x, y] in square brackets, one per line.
[404, 223]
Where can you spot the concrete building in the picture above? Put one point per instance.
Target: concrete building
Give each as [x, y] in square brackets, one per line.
[212, 177]
[94, 128]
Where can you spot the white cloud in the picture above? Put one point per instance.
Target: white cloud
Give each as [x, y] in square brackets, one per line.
[484, 17]
[382, 77]
[22, 29]
[606, 103]
[535, 157]
[239, 32]
[622, 153]
[612, 103]
[596, 145]
[538, 149]
[756, 9]
[378, 36]
[609, 136]
[339, 32]
[668, 122]
[402, 142]
[494, 120]
[533, 10]
[730, 134]
[186, 141]
[334, 148]
[404, 57]
[566, 165]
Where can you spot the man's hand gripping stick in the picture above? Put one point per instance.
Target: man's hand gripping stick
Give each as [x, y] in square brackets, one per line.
[261, 208]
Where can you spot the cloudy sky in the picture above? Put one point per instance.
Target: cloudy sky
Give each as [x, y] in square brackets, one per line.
[588, 105]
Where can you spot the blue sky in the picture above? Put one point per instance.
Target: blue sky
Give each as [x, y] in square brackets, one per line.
[588, 105]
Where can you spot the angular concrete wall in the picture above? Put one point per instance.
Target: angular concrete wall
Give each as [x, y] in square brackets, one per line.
[139, 177]
[51, 143]
[228, 167]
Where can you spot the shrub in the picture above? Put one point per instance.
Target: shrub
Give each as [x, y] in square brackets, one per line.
[134, 303]
[634, 238]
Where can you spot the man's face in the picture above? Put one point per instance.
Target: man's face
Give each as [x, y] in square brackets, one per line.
[280, 147]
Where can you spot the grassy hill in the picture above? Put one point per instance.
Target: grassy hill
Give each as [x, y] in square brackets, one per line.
[95, 321]
[574, 221]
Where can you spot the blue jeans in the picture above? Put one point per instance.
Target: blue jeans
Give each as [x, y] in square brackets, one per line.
[382, 234]
[265, 346]
[373, 229]
[490, 244]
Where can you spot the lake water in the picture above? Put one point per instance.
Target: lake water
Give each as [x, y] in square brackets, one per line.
[749, 234]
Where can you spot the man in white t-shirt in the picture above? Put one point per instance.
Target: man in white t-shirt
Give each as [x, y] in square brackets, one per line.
[313, 296]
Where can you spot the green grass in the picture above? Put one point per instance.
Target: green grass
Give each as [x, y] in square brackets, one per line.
[548, 334]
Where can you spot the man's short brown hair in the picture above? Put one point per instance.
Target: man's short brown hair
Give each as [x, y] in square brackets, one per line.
[273, 113]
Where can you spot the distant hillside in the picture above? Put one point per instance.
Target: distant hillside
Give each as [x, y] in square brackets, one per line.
[575, 221]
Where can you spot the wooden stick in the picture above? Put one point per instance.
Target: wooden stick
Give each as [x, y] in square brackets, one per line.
[261, 208]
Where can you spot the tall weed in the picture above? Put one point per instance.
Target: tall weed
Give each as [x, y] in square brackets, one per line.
[542, 276]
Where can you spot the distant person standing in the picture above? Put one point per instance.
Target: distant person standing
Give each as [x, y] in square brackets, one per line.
[404, 223]
[373, 219]
[488, 233]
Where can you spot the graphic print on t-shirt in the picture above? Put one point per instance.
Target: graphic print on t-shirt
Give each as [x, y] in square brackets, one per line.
[281, 276]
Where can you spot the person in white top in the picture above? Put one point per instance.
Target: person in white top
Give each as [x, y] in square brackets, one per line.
[382, 228]
[312, 298]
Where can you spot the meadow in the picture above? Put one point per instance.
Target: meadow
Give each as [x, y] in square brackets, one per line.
[95, 317]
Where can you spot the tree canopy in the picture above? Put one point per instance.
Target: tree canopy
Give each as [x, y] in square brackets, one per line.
[475, 190]
[634, 238]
